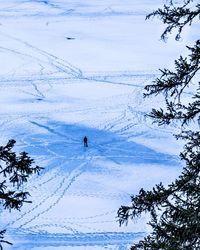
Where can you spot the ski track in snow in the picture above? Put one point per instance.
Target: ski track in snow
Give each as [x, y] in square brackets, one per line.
[62, 9]
[61, 188]
[122, 120]
[122, 123]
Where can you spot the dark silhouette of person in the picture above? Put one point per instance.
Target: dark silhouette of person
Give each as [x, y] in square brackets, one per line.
[85, 140]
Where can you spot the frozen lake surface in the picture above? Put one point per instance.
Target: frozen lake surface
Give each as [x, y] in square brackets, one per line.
[75, 68]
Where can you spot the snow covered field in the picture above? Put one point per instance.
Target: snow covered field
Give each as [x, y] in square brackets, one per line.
[74, 68]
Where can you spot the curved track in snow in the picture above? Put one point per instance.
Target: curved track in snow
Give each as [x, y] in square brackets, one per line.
[48, 105]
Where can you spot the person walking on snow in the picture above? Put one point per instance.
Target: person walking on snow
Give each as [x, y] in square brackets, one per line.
[85, 141]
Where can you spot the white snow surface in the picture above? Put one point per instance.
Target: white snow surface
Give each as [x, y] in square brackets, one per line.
[75, 68]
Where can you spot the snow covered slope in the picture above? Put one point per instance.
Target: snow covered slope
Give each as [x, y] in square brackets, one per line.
[75, 68]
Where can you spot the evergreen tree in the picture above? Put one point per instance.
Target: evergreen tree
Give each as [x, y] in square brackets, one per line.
[14, 171]
[175, 210]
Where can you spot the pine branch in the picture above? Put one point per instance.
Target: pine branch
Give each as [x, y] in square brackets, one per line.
[15, 171]
[176, 17]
